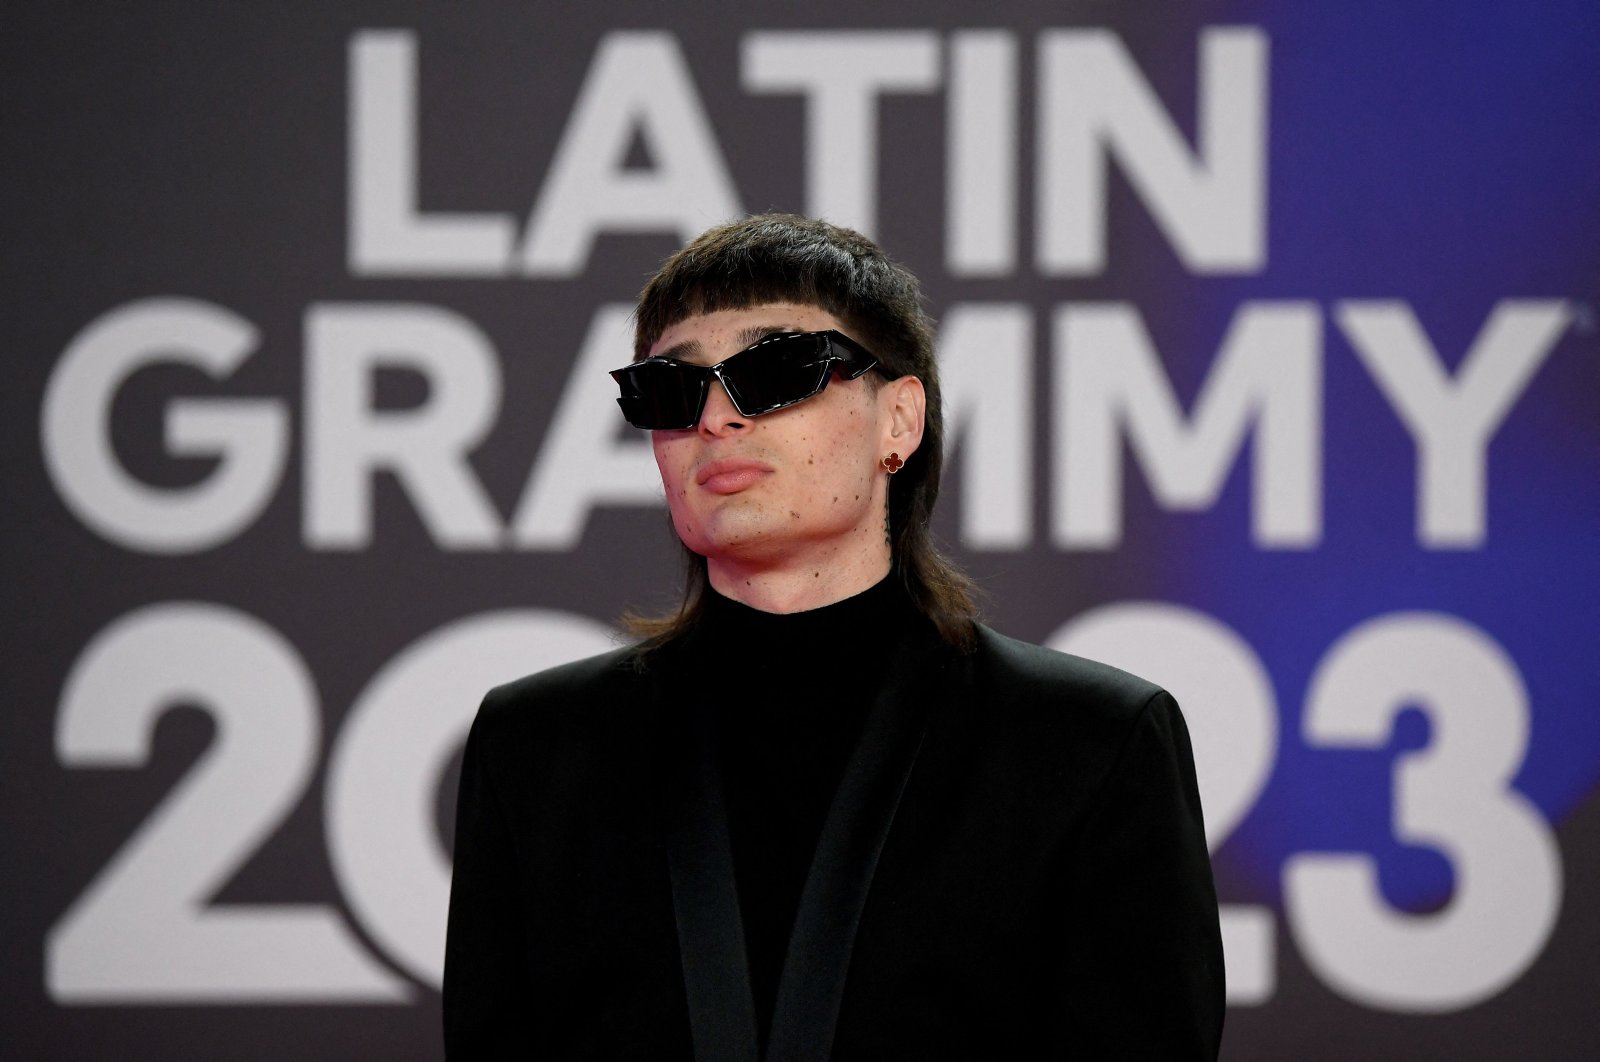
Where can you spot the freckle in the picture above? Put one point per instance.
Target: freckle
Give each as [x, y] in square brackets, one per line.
[794, 515]
[835, 497]
[816, 575]
[809, 461]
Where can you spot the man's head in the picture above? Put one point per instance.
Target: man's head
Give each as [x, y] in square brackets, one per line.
[845, 281]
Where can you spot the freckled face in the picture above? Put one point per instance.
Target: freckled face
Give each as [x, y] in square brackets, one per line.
[795, 487]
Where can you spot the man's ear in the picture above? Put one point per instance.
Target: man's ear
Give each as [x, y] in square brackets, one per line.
[905, 401]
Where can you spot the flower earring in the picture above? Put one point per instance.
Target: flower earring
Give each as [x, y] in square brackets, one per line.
[892, 463]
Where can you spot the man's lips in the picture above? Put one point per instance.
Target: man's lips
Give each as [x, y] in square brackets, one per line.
[729, 475]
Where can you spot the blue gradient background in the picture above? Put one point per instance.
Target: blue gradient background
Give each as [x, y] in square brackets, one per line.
[1447, 156]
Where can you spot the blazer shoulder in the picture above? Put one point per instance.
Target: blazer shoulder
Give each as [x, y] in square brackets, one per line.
[568, 694]
[1034, 676]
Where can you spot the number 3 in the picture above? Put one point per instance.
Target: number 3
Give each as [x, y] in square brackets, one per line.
[1454, 796]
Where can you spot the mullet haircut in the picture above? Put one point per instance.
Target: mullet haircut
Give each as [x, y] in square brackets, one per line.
[788, 258]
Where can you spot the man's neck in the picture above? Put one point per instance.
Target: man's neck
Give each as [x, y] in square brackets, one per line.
[797, 588]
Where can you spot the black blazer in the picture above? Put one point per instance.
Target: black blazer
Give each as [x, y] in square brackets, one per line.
[1014, 867]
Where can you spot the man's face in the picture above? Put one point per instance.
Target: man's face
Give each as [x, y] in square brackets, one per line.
[799, 490]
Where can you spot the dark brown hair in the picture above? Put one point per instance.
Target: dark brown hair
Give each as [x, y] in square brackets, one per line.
[787, 258]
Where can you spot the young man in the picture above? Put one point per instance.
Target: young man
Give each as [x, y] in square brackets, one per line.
[821, 812]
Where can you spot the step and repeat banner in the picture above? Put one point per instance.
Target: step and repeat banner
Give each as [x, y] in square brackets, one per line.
[1270, 337]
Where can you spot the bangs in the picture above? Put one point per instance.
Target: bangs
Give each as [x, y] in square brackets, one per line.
[738, 266]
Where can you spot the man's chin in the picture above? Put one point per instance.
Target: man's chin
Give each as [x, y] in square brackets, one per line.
[745, 542]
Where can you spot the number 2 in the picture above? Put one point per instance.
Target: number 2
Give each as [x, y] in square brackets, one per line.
[1226, 694]
[144, 931]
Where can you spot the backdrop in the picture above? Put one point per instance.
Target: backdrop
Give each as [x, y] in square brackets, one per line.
[1270, 338]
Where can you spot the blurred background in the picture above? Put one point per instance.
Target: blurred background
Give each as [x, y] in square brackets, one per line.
[1270, 342]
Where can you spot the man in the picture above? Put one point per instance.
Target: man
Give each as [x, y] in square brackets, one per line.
[821, 812]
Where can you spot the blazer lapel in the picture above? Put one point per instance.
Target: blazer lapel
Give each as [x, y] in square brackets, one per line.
[811, 985]
[705, 895]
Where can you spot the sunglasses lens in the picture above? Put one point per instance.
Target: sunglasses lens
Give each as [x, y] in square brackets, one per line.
[661, 395]
[777, 373]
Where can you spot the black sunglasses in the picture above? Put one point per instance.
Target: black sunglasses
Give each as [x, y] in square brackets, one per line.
[663, 394]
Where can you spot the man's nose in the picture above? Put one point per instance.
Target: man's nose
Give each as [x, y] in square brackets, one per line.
[719, 417]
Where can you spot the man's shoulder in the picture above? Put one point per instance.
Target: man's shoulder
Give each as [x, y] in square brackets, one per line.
[1073, 718]
[1033, 676]
[569, 693]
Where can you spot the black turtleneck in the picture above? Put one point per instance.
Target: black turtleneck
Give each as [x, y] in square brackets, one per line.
[791, 694]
